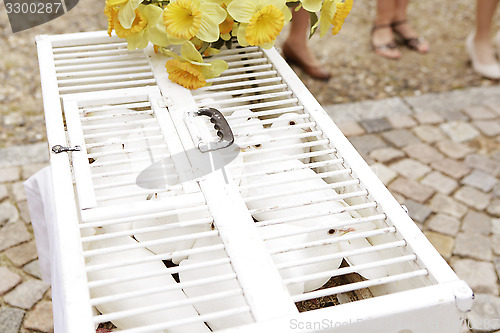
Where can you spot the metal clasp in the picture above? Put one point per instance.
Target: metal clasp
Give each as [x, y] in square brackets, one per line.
[61, 149]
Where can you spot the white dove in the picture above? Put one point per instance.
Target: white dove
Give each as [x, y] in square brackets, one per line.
[296, 197]
[156, 298]
[217, 287]
[286, 122]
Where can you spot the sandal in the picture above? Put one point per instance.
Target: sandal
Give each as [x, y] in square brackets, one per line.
[413, 43]
[381, 49]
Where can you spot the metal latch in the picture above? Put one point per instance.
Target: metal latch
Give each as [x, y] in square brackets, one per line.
[220, 124]
[61, 149]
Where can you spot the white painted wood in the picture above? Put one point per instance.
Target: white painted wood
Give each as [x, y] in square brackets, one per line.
[70, 294]
[80, 159]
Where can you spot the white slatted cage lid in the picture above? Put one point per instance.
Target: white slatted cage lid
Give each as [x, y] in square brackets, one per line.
[296, 233]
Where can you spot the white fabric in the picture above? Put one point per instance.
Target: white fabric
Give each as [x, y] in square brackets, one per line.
[40, 196]
[41, 205]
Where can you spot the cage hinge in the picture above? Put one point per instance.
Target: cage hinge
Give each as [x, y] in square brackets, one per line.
[61, 149]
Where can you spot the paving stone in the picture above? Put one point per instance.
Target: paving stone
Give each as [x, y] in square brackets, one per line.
[350, 128]
[477, 222]
[454, 149]
[472, 271]
[443, 243]
[31, 169]
[22, 254]
[428, 117]
[386, 155]
[495, 226]
[385, 174]
[480, 180]
[410, 168]
[474, 246]
[459, 131]
[10, 319]
[485, 313]
[401, 121]
[484, 163]
[444, 224]
[8, 280]
[428, 133]
[12, 234]
[495, 244]
[494, 208]
[24, 211]
[10, 174]
[488, 127]
[18, 191]
[423, 152]
[366, 143]
[8, 212]
[452, 168]
[472, 197]
[3, 192]
[411, 189]
[26, 294]
[40, 319]
[479, 112]
[417, 211]
[375, 125]
[33, 269]
[400, 137]
[495, 107]
[496, 191]
[454, 116]
[440, 182]
[441, 203]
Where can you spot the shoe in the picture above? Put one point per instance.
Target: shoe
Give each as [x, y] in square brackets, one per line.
[490, 71]
[382, 49]
[413, 43]
[316, 72]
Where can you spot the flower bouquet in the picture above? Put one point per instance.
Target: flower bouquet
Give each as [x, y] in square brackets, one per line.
[202, 27]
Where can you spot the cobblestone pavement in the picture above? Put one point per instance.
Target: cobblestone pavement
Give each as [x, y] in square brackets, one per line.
[439, 154]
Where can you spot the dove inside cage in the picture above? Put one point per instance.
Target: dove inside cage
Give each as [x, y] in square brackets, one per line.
[156, 251]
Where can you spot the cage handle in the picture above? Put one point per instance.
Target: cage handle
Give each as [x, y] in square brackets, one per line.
[221, 126]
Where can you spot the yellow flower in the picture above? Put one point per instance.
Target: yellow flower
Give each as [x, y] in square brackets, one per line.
[311, 5]
[226, 26]
[261, 21]
[333, 12]
[185, 74]
[185, 19]
[189, 70]
[138, 24]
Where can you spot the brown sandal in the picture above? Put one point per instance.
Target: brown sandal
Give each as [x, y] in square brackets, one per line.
[383, 47]
[413, 43]
[316, 72]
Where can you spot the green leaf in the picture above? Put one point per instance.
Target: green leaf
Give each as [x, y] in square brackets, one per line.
[218, 44]
[314, 23]
[291, 4]
[204, 47]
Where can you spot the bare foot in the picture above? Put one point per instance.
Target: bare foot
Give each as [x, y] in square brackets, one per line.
[383, 42]
[303, 54]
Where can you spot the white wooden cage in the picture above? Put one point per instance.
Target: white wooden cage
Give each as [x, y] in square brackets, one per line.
[254, 246]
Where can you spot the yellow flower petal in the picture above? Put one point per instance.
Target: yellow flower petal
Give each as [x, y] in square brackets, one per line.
[311, 5]
[190, 53]
[212, 16]
[241, 33]
[182, 19]
[126, 14]
[242, 10]
[265, 25]
[214, 69]
[185, 74]
[138, 24]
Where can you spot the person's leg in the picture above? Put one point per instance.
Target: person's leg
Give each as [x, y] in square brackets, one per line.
[298, 37]
[382, 37]
[402, 26]
[296, 49]
[485, 9]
